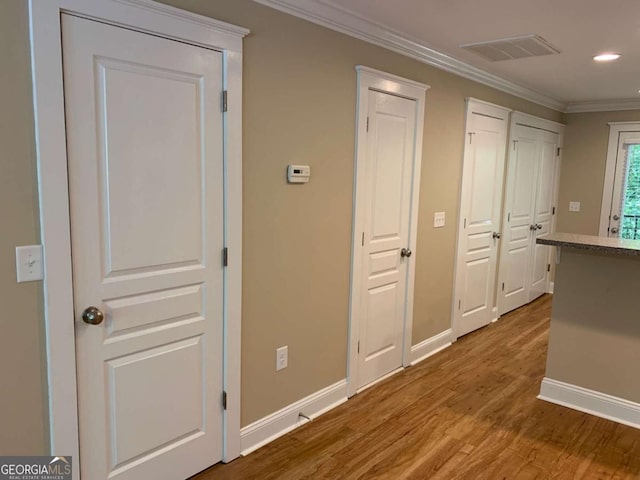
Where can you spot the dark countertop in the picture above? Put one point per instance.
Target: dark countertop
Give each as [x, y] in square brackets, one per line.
[591, 242]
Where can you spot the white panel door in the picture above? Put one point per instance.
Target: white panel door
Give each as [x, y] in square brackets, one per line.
[145, 153]
[543, 213]
[480, 206]
[389, 175]
[528, 215]
[520, 198]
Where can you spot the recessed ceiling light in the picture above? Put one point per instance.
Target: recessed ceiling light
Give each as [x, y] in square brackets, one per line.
[606, 57]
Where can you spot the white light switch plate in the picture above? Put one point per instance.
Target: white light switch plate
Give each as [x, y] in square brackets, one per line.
[574, 206]
[29, 263]
[438, 219]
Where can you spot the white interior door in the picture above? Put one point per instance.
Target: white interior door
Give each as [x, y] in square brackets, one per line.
[145, 153]
[520, 197]
[624, 216]
[528, 215]
[543, 213]
[388, 185]
[480, 207]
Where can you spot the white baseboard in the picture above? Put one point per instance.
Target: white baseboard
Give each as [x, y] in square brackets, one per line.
[431, 346]
[273, 426]
[592, 402]
[550, 287]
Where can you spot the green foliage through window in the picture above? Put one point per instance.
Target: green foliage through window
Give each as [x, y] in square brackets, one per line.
[631, 209]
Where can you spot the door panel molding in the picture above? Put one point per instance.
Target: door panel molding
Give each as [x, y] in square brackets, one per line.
[374, 80]
[47, 77]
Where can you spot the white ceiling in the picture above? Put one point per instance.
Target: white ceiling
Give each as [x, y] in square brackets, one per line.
[579, 28]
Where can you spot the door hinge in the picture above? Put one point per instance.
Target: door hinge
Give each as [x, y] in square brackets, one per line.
[553, 211]
[515, 142]
[465, 223]
[358, 346]
[224, 100]
[471, 134]
[459, 304]
[363, 239]
[367, 124]
[558, 152]
[224, 399]
[503, 286]
[509, 217]
[548, 267]
[225, 257]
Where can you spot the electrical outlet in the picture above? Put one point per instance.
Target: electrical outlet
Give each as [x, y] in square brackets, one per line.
[282, 357]
[574, 206]
[438, 219]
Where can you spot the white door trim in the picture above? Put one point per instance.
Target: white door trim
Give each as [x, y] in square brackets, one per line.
[615, 129]
[46, 63]
[369, 78]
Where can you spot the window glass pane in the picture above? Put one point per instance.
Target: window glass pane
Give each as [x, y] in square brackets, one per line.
[631, 201]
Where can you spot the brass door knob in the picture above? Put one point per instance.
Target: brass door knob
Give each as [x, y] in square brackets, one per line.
[92, 316]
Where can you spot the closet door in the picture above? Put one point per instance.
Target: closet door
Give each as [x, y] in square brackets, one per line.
[518, 221]
[479, 227]
[543, 214]
[528, 210]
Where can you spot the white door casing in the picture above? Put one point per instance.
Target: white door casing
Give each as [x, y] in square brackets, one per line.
[531, 192]
[145, 159]
[47, 75]
[479, 218]
[620, 133]
[387, 175]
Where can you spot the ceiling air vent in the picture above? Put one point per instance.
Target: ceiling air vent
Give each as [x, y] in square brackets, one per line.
[509, 48]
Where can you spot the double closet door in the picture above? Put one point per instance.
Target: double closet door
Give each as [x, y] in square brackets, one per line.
[528, 214]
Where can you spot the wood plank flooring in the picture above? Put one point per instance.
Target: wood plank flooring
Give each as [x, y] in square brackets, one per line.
[469, 412]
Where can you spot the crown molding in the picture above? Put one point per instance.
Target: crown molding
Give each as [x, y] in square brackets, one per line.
[603, 106]
[355, 25]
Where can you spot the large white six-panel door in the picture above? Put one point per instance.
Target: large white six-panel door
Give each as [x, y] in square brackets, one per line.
[145, 159]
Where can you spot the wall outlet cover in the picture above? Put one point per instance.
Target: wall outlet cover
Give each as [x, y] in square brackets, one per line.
[574, 206]
[282, 358]
[438, 219]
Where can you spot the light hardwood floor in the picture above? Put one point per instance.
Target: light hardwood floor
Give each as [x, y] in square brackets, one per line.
[469, 412]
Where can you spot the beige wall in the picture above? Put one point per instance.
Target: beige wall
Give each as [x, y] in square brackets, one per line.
[299, 92]
[583, 165]
[22, 401]
[300, 95]
[594, 340]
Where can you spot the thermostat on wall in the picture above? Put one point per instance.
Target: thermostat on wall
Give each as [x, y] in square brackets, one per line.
[298, 173]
